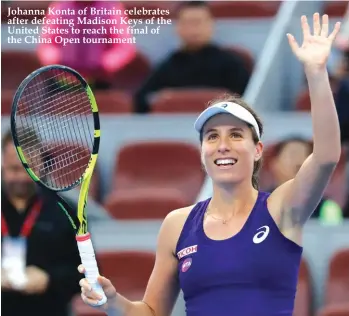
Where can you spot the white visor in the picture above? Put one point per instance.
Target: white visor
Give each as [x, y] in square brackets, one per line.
[230, 108]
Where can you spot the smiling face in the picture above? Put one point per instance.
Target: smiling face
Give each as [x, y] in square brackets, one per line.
[229, 151]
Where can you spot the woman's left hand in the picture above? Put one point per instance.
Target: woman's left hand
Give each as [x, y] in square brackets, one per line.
[316, 47]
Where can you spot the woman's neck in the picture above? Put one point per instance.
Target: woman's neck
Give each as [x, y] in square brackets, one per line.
[230, 201]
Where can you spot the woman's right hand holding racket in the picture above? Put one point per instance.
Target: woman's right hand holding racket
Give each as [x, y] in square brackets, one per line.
[92, 298]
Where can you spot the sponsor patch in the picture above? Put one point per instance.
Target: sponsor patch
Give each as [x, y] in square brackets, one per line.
[187, 251]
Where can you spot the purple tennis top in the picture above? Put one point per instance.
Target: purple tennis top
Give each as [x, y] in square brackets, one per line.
[253, 273]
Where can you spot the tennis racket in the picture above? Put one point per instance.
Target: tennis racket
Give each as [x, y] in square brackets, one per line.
[56, 131]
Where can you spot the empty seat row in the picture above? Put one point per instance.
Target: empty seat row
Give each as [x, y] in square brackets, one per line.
[170, 176]
[130, 271]
[119, 102]
[336, 300]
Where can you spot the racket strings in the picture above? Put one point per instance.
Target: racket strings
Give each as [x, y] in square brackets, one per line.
[54, 104]
[35, 86]
[50, 122]
[42, 83]
[47, 156]
[70, 161]
[24, 139]
[57, 111]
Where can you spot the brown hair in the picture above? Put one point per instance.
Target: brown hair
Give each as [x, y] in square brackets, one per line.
[237, 99]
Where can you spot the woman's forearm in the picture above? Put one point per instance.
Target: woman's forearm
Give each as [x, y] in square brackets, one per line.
[326, 130]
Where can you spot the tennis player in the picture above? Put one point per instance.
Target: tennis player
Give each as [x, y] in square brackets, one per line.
[238, 253]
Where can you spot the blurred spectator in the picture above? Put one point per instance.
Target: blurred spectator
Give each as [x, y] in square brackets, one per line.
[198, 63]
[97, 63]
[342, 40]
[289, 157]
[39, 251]
[346, 208]
[342, 99]
[341, 45]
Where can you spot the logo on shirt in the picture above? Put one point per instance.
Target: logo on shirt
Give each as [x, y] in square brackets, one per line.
[262, 235]
[186, 264]
[187, 251]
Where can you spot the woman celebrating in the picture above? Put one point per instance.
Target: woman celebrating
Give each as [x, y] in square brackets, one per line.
[238, 253]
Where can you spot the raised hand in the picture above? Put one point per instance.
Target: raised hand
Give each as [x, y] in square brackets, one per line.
[316, 47]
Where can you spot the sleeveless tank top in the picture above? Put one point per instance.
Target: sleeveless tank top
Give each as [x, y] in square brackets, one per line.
[253, 273]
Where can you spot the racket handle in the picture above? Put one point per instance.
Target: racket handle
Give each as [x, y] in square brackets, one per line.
[88, 260]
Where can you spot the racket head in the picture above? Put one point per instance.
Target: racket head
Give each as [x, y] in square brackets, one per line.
[55, 127]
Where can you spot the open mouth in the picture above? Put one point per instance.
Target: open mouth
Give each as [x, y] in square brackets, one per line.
[225, 162]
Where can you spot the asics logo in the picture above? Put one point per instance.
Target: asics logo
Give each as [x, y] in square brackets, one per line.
[262, 235]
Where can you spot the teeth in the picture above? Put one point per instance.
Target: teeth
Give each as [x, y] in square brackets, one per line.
[225, 161]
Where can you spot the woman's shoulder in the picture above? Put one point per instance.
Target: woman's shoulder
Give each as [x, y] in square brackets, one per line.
[179, 216]
[173, 224]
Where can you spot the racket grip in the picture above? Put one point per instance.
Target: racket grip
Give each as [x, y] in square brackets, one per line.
[88, 260]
